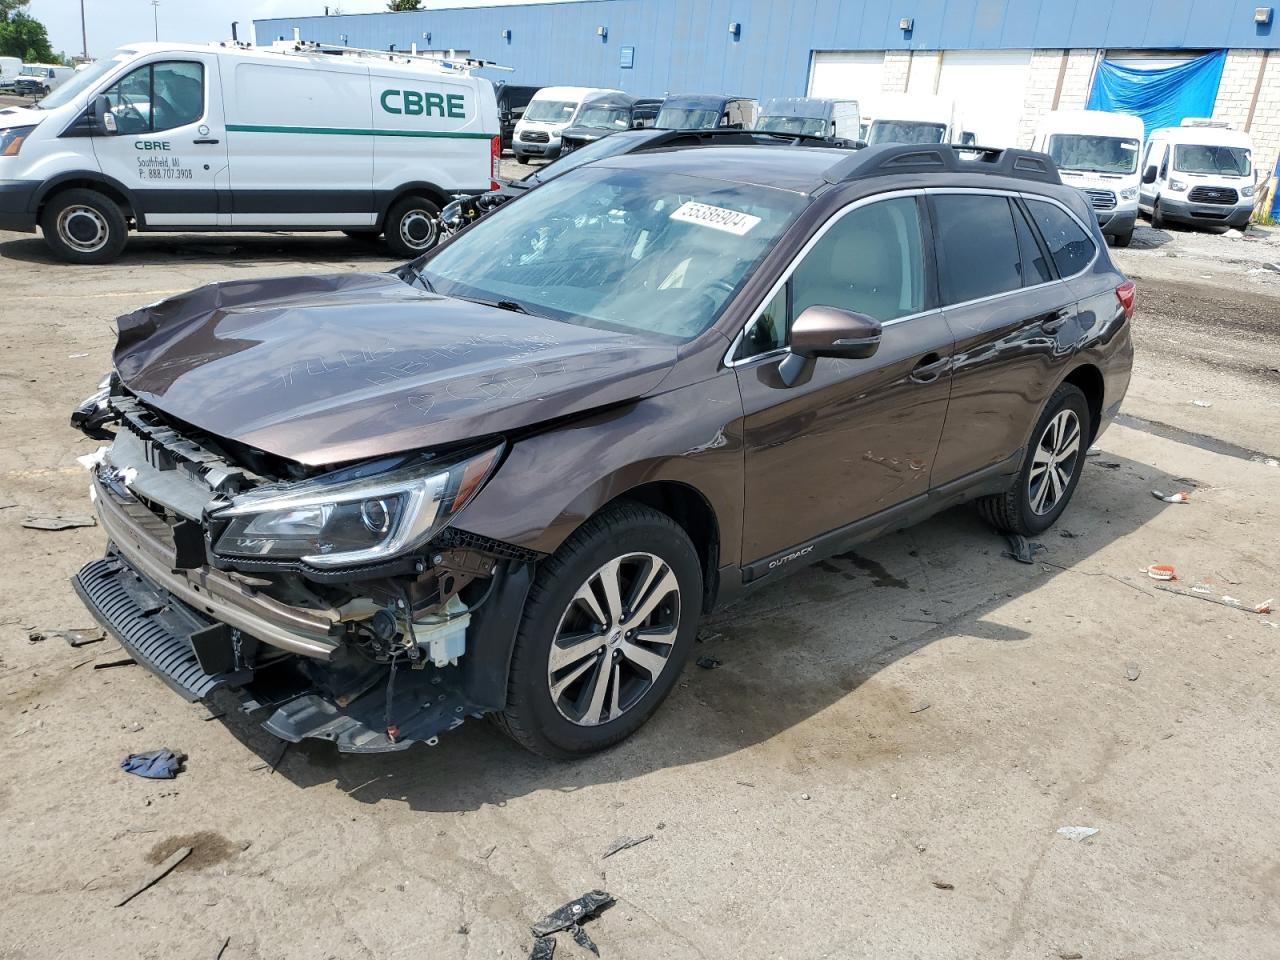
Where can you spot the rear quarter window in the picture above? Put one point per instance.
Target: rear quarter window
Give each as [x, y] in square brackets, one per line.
[1071, 248]
[978, 246]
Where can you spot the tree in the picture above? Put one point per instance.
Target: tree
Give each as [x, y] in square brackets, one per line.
[395, 6]
[22, 35]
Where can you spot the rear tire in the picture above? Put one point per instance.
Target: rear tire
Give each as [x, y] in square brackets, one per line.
[84, 226]
[552, 707]
[412, 227]
[1029, 507]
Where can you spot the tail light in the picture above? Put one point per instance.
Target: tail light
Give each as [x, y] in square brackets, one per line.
[1126, 293]
[495, 148]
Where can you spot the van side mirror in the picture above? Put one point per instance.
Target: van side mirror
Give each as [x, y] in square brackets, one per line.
[822, 331]
[104, 121]
[1149, 174]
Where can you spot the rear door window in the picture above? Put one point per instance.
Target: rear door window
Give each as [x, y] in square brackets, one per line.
[977, 246]
[1071, 248]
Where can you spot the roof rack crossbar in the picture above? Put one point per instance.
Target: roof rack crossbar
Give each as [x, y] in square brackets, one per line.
[898, 158]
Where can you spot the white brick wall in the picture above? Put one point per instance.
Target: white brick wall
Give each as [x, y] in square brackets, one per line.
[896, 66]
[1042, 83]
[1235, 93]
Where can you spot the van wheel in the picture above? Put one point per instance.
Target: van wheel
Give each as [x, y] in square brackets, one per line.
[1050, 470]
[83, 226]
[607, 628]
[1157, 218]
[413, 226]
[1123, 239]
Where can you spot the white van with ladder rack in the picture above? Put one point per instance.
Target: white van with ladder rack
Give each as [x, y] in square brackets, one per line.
[218, 137]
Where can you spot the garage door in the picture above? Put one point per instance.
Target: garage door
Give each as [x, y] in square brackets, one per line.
[845, 74]
[989, 86]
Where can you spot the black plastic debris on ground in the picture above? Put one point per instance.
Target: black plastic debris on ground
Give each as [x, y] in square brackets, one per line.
[581, 938]
[1022, 549]
[544, 948]
[78, 637]
[624, 843]
[569, 917]
[708, 663]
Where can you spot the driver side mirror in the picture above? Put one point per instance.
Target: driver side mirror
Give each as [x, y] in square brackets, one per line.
[104, 121]
[822, 331]
[1149, 174]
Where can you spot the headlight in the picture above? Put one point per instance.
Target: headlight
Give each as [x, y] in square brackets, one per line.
[12, 139]
[1246, 191]
[1177, 186]
[353, 516]
[1129, 193]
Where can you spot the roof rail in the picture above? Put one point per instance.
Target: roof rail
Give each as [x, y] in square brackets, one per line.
[898, 158]
[761, 137]
[445, 64]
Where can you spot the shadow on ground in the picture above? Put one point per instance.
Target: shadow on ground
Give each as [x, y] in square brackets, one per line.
[232, 250]
[789, 652]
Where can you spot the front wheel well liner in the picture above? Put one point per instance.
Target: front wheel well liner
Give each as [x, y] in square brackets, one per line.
[690, 509]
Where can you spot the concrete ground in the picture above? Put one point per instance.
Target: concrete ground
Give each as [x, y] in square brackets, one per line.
[880, 768]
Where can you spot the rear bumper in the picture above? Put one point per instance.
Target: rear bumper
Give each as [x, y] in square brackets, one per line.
[17, 205]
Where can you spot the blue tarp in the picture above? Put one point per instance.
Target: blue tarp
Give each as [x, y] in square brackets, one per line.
[1162, 97]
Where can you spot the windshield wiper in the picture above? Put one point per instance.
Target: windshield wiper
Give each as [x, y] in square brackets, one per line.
[512, 305]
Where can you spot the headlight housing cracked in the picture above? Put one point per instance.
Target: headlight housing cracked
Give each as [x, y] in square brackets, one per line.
[354, 516]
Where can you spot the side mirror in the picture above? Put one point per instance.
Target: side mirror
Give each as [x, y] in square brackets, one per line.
[1149, 174]
[829, 332]
[104, 121]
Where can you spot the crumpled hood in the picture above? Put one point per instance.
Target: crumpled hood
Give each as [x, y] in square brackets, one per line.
[339, 367]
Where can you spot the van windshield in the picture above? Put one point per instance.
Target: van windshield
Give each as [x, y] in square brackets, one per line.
[810, 126]
[687, 118]
[1093, 154]
[617, 249]
[604, 118]
[1220, 161]
[550, 111]
[906, 131]
[82, 80]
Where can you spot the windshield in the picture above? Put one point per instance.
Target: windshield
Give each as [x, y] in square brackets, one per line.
[687, 118]
[1093, 154]
[82, 81]
[624, 250]
[811, 126]
[606, 147]
[604, 118]
[551, 111]
[1222, 161]
[906, 131]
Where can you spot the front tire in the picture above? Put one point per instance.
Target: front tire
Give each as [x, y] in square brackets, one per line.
[1123, 240]
[84, 226]
[607, 628]
[412, 227]
[1051, 467]
[1158, 221]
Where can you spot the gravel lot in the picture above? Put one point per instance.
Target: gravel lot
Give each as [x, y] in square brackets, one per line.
[879, 769]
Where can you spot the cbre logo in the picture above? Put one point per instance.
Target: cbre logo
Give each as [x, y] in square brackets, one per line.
[412, 103]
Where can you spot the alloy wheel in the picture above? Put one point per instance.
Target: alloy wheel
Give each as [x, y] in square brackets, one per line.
[1054, 462]
[83, 228]
[614, 639]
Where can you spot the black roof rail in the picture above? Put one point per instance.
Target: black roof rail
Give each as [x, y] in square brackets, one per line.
[734, 135]
[897, 158]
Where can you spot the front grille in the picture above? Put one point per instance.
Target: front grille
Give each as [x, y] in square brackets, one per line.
[1102, 199]
[153, 627]
[1223, 195]
[535, 136]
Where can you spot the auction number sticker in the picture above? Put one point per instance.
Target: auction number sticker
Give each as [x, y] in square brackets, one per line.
[717, 218]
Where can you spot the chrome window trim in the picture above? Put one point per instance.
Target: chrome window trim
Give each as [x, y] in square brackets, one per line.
[728, 360]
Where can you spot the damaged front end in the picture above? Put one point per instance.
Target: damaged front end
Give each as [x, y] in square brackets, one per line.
[339, 604]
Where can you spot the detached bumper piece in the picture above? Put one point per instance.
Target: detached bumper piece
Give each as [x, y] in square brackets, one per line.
[156, 631]
[343, 701]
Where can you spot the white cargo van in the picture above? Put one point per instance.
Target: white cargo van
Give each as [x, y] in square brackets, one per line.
[914, 118]
[551, 110]
[811, 116]
[1200, 173]
[231, 137]
[1097, 152]
[50, 76]
[10, 67]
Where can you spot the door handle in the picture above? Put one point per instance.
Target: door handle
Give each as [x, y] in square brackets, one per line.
[206, 141]
[1052, 324]
[929, 368]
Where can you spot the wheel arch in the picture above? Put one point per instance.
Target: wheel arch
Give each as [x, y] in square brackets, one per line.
[109, 187]
[417, 188]
[1088, 379]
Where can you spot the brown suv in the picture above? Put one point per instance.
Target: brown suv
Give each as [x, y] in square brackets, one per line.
[510, 477]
